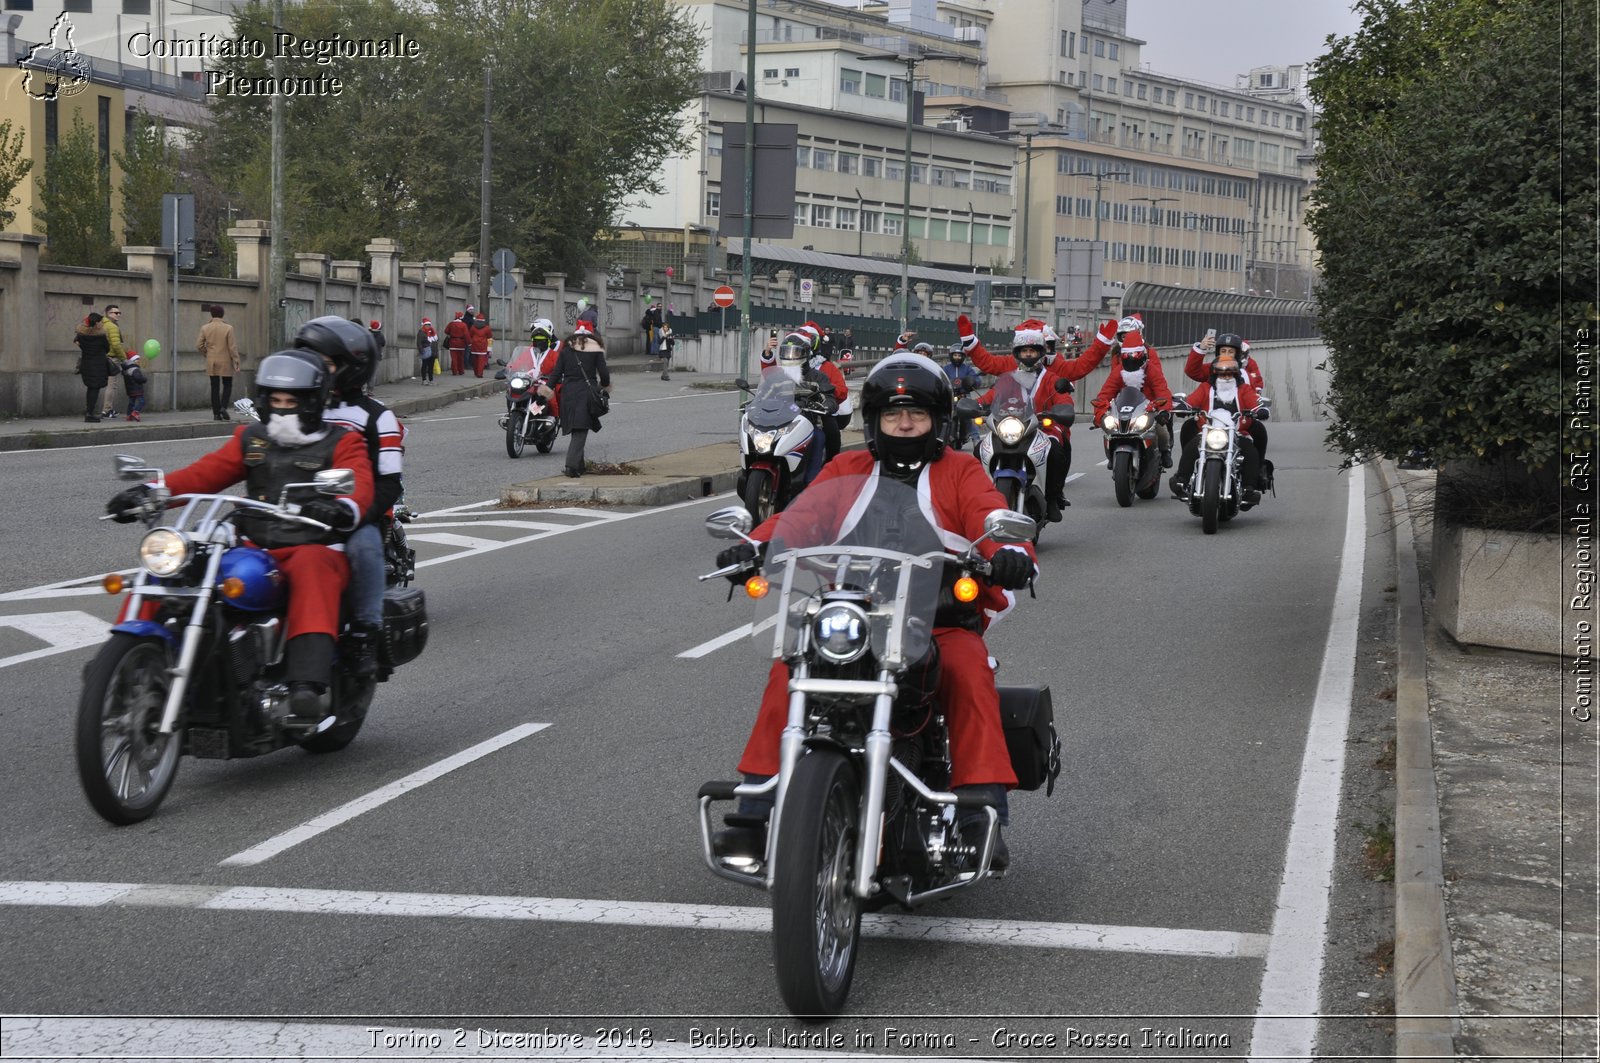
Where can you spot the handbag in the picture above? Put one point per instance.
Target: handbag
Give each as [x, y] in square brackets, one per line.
[113, 367]
[599, 401]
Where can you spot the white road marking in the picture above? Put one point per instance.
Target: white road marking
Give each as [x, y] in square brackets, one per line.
[470, 542]
[69, 588]
[381, 796]
[437, 420]
[1088, 937]
[732, 636]
[64, 631]
[460, 509]
[1286, 1025]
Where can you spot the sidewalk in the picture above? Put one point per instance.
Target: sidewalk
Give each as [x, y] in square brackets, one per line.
[1513, 854]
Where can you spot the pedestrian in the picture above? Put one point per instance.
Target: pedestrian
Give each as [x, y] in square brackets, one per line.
[113, 327]
[221, 352]
[479, 337]
[456, 336]
[650, 324]
[94, 363]
[580, 369]
[427, 351]
[587, 312]
[133, 381]
[665, 341]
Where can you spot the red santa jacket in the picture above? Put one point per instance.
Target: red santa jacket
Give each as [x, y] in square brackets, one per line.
[954, 492]
[841, 390]
[225, 467]
[1154, 387]
[1195, 368]
[478, 336]
[455, 335]
[1200, 400]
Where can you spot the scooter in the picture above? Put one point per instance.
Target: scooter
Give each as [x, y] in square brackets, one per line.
[1133, 451]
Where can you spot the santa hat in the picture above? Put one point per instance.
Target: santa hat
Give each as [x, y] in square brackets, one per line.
[1133, 344]
[586, 328]
[374, 325]
[458, 315]
[1029, 334]
[427, 321]
[472, 309]
[133, 356]
[811, 330]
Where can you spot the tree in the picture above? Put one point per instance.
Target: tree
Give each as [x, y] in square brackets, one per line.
[14, 166]
[75, 201]
[1456, 225]
[149, 171]
[586, 104]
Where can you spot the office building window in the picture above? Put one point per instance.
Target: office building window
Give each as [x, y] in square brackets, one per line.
[1111, 85]
[845, 218]
[770, 73]
[871, 166]
[19, 5]
[821, 160]
[849, 163]
[871, 221]
[1113, 50]
[891, 225]
[877, 86]
[81, 7]
[1100, 48]
[713, 204]
[999, 235]
[938, 229]
[791, 71]
[980, 233]
[849, 81]
[714, 145]
[1188, 100]
[958, 232]
[135, 7]
[897, 90]
[1063, 204]
[802, 156]
[919, 174]
[918, 228]
[802, 214]
[1099, 83]
[821, 216]
[1142, 89]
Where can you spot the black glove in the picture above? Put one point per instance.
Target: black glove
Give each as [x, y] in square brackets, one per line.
[331, 512]
[123, 503]
[1261, 413]
[1010, 569]
[742, 554]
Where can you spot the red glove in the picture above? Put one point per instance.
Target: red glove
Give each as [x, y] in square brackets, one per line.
[969, 338]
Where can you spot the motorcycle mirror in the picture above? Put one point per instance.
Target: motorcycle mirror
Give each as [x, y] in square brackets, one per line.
[1008, 526]
[1064, 414]
[730, 522]
[1180, 397]
[132, 467]
[741, 382]
[335, 481]
[499, 361]
[1063, 386]
[966, 408]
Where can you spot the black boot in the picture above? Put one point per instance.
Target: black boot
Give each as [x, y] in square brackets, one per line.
[974, 823]
[359, 648]
[308, 669]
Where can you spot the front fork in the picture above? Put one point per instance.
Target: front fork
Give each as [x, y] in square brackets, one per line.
[193, 633]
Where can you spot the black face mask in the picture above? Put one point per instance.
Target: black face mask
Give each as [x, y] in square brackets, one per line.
[1132, 365]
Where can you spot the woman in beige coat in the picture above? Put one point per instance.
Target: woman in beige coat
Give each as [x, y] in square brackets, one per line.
[221, 351]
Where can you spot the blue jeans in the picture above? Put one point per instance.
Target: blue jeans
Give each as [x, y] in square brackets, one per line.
[364, 596]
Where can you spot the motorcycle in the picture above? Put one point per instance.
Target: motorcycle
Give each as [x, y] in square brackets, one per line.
[1133, 450]
[529, 417]
[195, 664]
[777, 433]
[1215, 487]
[1014, 447]
[863, 812]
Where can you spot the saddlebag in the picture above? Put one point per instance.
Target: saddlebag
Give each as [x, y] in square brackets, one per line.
[405, 625]
[1030, 729]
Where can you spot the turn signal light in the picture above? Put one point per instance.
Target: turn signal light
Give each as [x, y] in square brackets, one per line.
[757, 586]
[113, 583]
[232, 588]
[1046, 422]
[966, 589]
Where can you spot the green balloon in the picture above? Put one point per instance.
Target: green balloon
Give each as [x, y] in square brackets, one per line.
[152, 348]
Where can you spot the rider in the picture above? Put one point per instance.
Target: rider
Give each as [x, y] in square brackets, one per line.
[822, 363]
[1195, 369]
[906, 411]
[964, 381]
[796, 354]
[1134, 367]
[289, 444]
[349, 354]
[1224, 391]
[1027, 353]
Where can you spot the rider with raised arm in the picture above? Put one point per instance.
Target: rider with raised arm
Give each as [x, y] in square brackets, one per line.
[1224, 391]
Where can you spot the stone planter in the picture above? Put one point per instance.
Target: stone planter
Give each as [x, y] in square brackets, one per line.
[1500, 588]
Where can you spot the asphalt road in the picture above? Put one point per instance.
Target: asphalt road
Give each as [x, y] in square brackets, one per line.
[555, 880]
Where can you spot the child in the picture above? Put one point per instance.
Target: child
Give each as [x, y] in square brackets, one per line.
[664, 344]
[133, 381]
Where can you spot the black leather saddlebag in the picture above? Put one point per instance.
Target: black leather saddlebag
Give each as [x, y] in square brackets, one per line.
[405, 625]
[1030, 729]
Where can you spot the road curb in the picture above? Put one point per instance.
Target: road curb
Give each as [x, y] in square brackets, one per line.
[662, 493]
[1426, 1011]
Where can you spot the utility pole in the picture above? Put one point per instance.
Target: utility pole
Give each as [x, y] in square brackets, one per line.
[749, 188]
[276, 340]
[483, 193]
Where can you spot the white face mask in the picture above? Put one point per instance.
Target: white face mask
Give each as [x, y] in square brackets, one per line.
[283, 428]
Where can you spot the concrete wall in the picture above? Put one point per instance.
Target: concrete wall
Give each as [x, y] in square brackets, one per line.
[1498, 588]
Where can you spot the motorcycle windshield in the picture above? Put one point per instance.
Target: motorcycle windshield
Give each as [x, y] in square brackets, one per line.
[774, 404]
[1013, 394]
[1129, 401]
[861, 540]
[525, 361]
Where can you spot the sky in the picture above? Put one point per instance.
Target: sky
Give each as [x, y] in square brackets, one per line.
[1212, 40]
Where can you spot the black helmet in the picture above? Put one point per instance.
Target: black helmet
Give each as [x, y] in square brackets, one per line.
[957, 353]
[907, 379]
[303, 375]
[347, 344]
[1229, 339]
[924, 349]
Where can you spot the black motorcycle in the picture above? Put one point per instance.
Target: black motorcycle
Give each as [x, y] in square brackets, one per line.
[1133, 451]
[195, 665]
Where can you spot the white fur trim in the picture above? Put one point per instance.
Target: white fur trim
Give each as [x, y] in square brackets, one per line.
[1027, 338]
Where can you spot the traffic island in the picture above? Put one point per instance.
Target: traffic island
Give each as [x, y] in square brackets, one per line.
[659, 481]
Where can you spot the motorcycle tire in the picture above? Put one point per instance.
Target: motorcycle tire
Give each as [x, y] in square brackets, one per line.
[760, 494]
[1009, 490]
[816, 916]
[515, 440]
[126, 766]
[1148, 485]
[399, 560]
[1210, 497]
[544, 444]
[1122, 477]
[355, 697]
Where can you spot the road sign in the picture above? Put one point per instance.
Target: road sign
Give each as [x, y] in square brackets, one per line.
[502, 284]
[504, 259]
[723, 297]
[807, 289]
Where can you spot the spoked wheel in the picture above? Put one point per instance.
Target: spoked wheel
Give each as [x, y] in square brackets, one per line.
[355, 697]
[546, 440]
[1122, 477]
[399, 559]
[759, 494]
[816, 917]
[1210, 497]
[126, 765]
[515, 442]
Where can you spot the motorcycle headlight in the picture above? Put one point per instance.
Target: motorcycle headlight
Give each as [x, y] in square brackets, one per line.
[1110, 423]
[841, 632]
[1141, 422]
[1009, 429]
[1216, 439]
[763, 442]
[163, 552]
[519, 382]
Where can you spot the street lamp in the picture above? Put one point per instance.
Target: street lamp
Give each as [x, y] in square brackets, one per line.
[1153, 200]
[911, 62]
[1027, 133]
